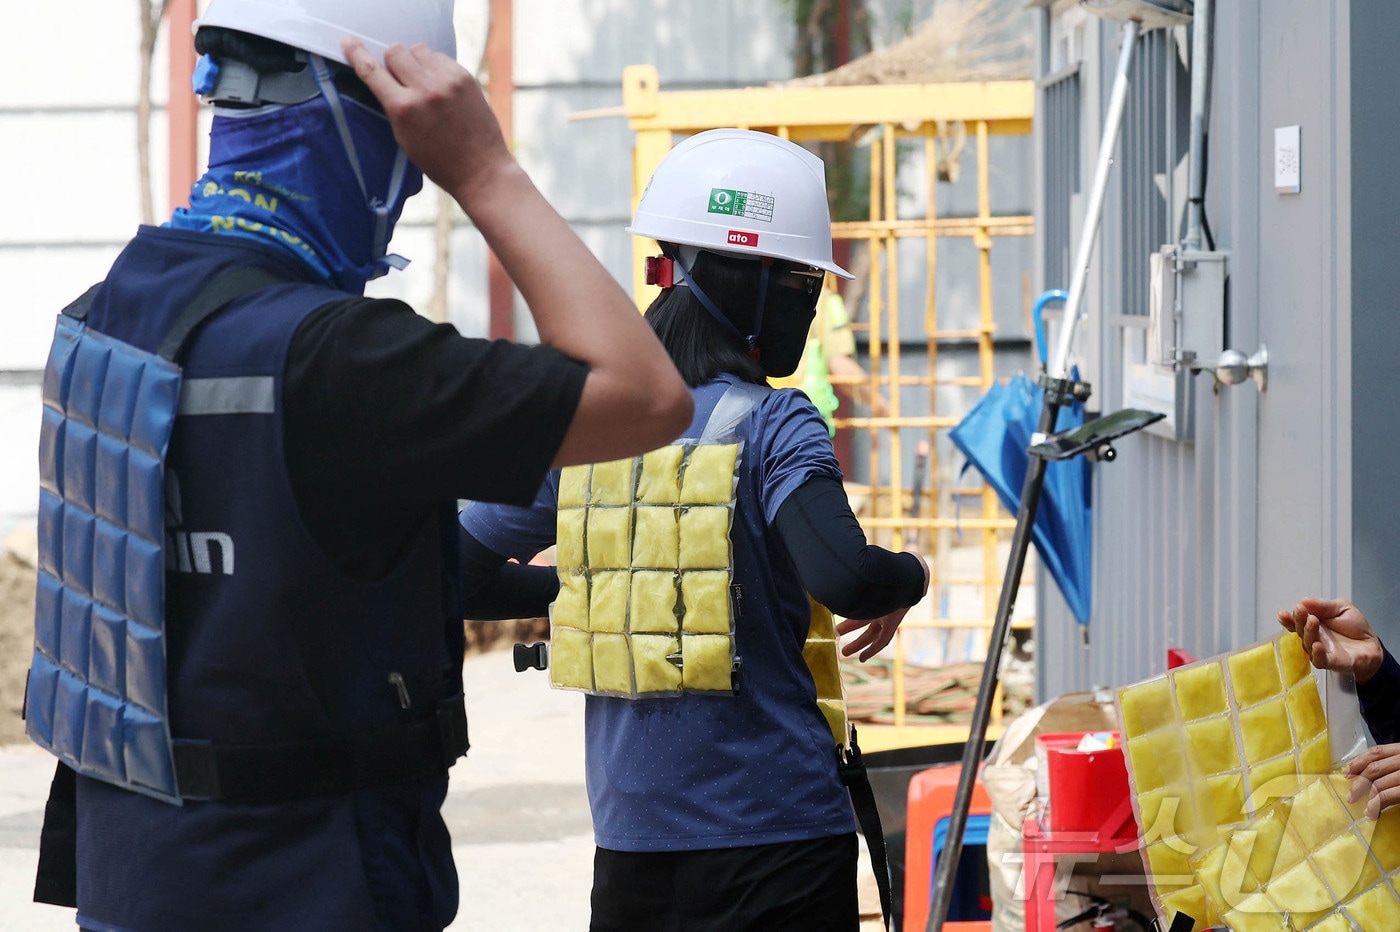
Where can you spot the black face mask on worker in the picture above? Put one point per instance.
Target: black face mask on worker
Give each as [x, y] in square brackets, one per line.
[787, 319]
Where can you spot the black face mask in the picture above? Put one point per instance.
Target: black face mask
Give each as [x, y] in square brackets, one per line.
[787, 319]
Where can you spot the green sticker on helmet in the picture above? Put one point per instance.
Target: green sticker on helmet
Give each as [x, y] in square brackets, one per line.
[746, 204]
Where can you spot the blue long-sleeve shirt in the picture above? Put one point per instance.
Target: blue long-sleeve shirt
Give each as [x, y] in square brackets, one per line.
[1378, 701]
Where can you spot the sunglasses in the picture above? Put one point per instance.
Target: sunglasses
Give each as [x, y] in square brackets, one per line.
[805, 278]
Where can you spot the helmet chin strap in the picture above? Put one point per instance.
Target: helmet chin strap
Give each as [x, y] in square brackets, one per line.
[685, 261]
[380, 207]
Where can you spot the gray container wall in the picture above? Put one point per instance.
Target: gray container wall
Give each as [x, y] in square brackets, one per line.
[1197, 544]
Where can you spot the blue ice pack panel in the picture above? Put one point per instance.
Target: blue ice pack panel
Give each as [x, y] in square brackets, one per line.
[96, 693]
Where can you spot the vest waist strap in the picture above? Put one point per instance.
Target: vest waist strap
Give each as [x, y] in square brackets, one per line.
[274, 773]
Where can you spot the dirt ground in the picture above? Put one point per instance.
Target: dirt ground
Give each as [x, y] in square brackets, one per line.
[16, 642]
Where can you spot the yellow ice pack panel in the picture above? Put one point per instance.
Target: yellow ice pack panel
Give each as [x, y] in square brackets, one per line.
[607, 602]
[1318, 815]
[1142, 756]
[1340, 863]
[568, 552]
[653, 605]
[609, 538]
[573, 486]
[660, 481]
[653, 602]
[706, 597]
[1146, 707]
[1190, 900]
[1254, 673]
[822, 659]
[1385, 840]
[612, 666]
[1294, 659]
[1225, 798]
[1200, 690]
[1270, 834]
[612, 483]
[1264, 731]
[1273, 778]
[834, 711]
[1376, 909]
[1341, 787]
[1169, 861]
[655, 674]
[709, 473]
[1305, 709]
[1210, 869]
[1316, 756]
[571, 604]
[706, 662]
[1299, 890]
[705, 538]
[823, 626]
[570, 658]
[1333, 923]
[1212, 744]
[1257, 913]
[656, 539]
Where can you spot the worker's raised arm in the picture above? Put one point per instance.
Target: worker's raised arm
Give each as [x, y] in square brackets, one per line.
[633, 399]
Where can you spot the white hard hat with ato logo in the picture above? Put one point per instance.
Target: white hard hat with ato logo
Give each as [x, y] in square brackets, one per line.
[741, 193]
[317, 26]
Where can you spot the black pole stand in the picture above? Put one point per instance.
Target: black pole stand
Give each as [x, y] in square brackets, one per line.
[1057, 393]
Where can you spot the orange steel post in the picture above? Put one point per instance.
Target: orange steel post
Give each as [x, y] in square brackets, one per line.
[500, 92]
[182, 108]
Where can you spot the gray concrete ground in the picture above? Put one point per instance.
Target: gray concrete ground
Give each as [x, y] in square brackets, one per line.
[517, 810]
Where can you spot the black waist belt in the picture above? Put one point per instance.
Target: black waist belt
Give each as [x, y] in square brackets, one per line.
[273, 773]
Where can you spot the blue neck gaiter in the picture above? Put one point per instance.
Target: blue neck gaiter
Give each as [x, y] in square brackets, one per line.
[323, 179]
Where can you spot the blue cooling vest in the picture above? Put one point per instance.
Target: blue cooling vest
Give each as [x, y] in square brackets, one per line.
[182, 604]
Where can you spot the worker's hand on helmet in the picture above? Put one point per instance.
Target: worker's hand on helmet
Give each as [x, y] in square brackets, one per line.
[439, 115]
[1336, 636]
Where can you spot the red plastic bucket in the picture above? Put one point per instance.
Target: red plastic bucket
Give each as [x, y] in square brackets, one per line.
[1088, 789]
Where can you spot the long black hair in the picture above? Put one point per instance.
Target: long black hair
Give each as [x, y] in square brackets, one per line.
[700, 346]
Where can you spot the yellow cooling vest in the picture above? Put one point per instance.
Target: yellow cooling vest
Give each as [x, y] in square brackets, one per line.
[646, 607]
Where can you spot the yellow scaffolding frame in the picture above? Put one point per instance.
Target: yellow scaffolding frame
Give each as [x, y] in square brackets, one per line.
[884, 114]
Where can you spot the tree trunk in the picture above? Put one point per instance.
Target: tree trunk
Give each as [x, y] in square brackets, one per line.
[151, 11]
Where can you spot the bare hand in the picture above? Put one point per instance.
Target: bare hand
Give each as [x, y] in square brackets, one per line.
[1336, 636]
[1376, 774]
[878, 631]
[437, 110]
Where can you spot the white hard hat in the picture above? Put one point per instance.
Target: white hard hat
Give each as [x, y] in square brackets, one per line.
[744, 193]
[317, 26]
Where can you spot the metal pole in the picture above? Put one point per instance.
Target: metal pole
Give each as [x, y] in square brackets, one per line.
[977, 734]
[1093, 212]
[1200, 117]
[974, 749]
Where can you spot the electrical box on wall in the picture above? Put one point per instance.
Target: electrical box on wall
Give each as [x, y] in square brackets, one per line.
[1186, 328]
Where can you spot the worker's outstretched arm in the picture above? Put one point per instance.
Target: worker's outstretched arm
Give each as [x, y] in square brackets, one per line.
[633, 399]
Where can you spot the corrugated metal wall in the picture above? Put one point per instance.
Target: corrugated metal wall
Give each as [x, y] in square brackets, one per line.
[1197, 543]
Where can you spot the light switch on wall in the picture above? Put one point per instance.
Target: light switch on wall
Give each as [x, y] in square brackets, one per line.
[1288, 159]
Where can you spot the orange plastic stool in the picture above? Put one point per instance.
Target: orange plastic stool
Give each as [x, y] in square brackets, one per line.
[931, 795]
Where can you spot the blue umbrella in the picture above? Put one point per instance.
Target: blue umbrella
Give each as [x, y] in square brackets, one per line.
[995, 437]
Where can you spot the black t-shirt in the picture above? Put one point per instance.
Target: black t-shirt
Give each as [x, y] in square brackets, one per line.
[388, 415]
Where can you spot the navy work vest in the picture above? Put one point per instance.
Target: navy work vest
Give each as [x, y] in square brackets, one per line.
[283, 673]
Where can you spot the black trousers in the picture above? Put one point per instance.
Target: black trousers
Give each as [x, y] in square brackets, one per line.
[802, 886]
